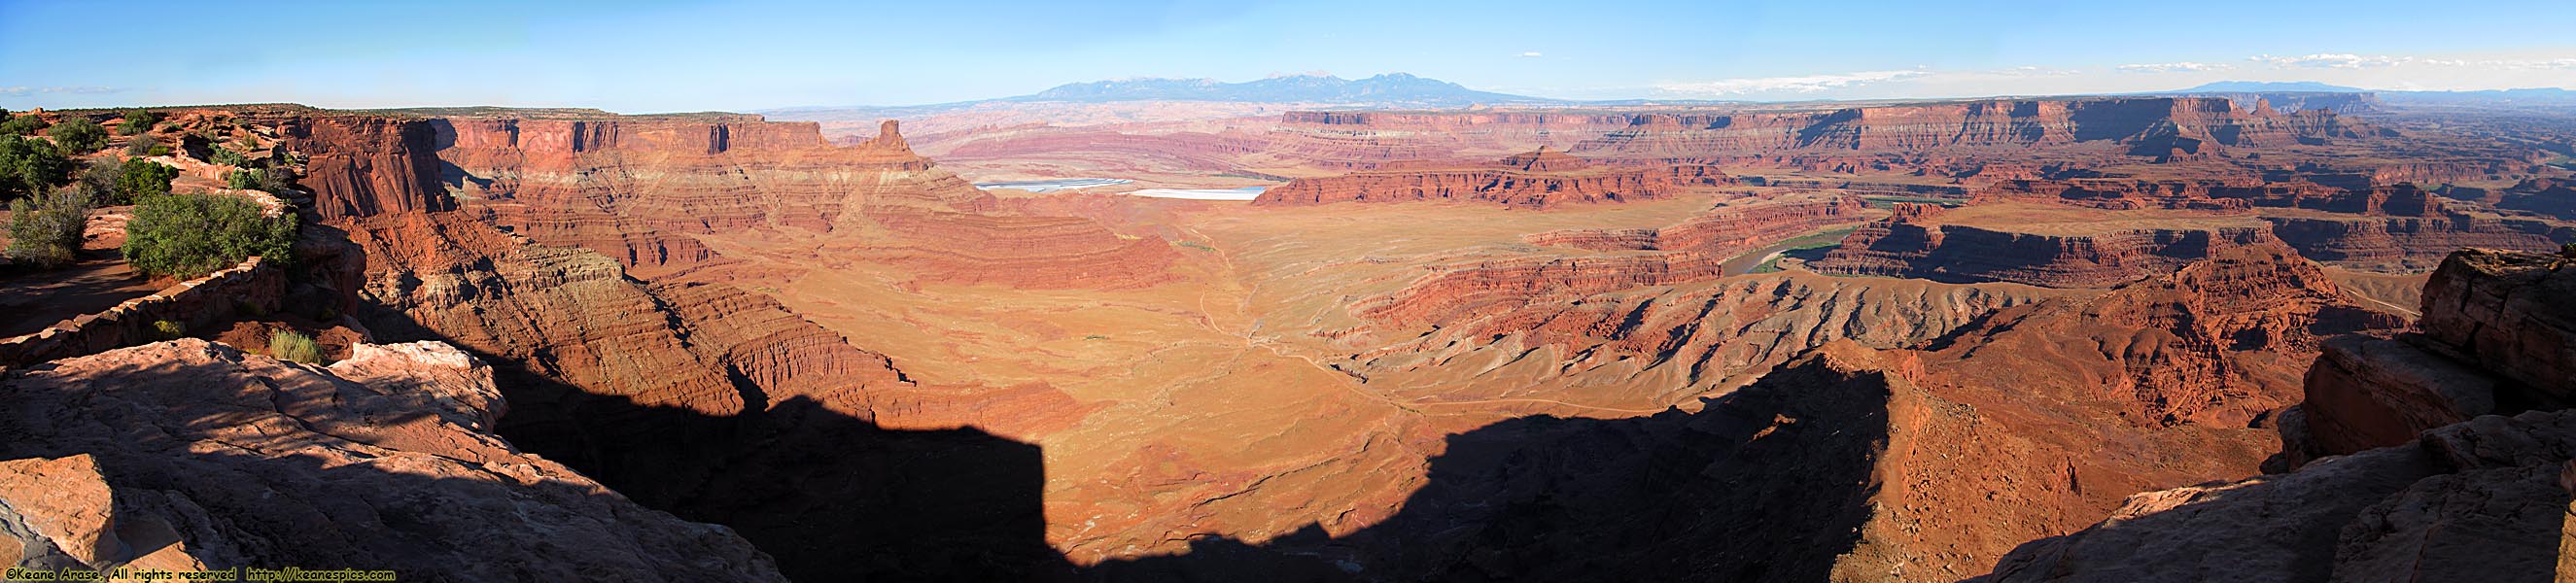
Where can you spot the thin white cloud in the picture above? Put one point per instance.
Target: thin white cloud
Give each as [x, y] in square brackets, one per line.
[1531, 55]
[1798, 84]
[2185, 66]
[26, 91]
[2332, 61]
[2351, 61]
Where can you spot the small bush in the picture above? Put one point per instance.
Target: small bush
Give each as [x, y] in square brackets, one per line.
[137, 121]
[23, 125]
[190, 235]
[2567, 250]
[98, 180]
[227, 157]
[29, 166]
[294, 346]
[169, 330]
[139, 178]
[45, 231]
[141, 146]
[79, 135]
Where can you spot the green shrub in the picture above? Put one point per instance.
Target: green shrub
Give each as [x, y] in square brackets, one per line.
[45, 231]
[137, 121]
[2567, 250]
[98, 180]
[294, 346]
[140, 146]
[140, 178]
[169, 330]
[227, 157]
[79, 135]
[190, 235]
[29, 166]
[23, 125]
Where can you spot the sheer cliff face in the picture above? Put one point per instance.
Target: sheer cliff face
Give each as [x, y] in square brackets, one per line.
[2452, 458]
[2145, 126]
[366, 165]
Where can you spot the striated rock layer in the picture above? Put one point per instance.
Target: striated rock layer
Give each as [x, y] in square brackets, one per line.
[2150, 126]
[639, 189]
[2412, 243]
[1534, 180]
[2454, 491]
[1911, 244]
[716, 404]
[187, 455]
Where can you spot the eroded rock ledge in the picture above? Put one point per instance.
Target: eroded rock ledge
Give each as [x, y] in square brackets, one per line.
[188, 454]
[2454, 491]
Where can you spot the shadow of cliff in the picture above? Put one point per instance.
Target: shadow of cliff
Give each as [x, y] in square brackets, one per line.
[1768, 483]
[830, 496]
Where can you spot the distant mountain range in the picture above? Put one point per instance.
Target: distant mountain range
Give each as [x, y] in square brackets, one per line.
[1388, 89]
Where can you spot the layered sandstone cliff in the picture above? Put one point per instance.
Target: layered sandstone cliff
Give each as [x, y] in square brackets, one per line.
[2152, 126]
[2411, 242]
[1918, 242]
[2454, 491]
[1534, 180]
[187, 455]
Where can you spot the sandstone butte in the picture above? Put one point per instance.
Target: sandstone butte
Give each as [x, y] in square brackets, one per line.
[1834, 428]
[1536, 180]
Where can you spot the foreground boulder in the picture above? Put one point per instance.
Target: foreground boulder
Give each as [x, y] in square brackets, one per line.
[190, 455]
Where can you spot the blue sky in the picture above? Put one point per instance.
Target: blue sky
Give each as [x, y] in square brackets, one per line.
[646, 56]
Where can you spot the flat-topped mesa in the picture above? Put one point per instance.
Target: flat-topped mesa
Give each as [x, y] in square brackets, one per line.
[2066, 252]
[2146, 126]
[1533, 180]
[2452, 447]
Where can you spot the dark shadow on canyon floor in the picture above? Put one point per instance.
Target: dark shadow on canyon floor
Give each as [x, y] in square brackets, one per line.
[1768, 483]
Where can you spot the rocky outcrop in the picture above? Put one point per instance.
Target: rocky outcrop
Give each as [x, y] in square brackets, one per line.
[363, 165]
[2454, 491]
[2221, 341]
[2475, 501]
[1534, 180]
[2493, 340]
[187, 455]
[197, 304]
[1905, 246]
